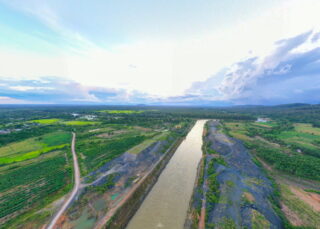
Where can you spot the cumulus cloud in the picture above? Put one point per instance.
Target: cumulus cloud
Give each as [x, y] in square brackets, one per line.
[59, 90]
[289, 73]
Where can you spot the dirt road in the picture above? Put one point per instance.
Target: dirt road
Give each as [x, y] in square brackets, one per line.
[66, 204]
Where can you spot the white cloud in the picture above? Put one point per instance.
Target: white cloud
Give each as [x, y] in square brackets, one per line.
[9, 100]
[162, 67]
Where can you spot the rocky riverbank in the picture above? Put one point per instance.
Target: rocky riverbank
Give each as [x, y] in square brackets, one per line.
[232, 191]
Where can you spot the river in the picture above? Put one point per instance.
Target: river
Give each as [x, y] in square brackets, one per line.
[167, 203]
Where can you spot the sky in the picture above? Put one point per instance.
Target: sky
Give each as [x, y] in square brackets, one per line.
[182, 52]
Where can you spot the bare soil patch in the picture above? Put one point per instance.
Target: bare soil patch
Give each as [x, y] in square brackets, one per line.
[311, 199]
[291, 216]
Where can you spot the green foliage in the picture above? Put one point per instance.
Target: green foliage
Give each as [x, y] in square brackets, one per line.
[312, 191]
[107, 185]
[227, 223]
[213, 193]
[220, 160]
[299, 165]
[211, 151]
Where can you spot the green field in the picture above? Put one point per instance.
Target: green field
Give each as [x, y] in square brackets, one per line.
[79, 123]
[137, 149]
[33, 186]
[307, 128]
[33, 173]
[33, 147]
[46, 121]
[60, 121]
[29, 155]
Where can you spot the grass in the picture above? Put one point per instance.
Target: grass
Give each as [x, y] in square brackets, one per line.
[33, 147]
[25, 146]
[253, 181]
[306, 128]
[46, 121]
[259, 221]
[227, 223]
[29, 155]
[122, 111]
[238, 130]
[299, 138]
[265, 124]
[312, 191]
[137, 149]
[56, 138]
[80, 123]
[303, 210]
[303, 135]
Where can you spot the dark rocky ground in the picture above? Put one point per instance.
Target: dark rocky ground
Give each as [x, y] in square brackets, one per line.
[244, 188]
[123, 171]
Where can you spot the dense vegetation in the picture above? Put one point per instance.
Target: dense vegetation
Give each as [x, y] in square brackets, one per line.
[295, 164]
[32, 185]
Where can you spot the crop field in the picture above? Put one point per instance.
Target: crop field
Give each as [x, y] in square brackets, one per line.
[300, 139]
[33, 173]
[46, 121]
[29, 155]
[25, 146]
[60, 121]
[33, 185]
[33, 147]
[307, 128]
[237, 130]
[79, 123]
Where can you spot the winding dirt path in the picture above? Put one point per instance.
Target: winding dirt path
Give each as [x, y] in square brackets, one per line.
[66, 204]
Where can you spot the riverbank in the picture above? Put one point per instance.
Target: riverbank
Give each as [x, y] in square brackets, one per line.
[233, 190]
[119, 217]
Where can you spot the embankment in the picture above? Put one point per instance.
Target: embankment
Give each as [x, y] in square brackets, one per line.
[122, 215]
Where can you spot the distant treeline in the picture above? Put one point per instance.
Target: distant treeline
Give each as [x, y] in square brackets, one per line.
[304, 113]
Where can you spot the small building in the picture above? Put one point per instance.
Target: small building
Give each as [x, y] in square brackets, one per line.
[5, 131]
[89, 117]
[263, 119]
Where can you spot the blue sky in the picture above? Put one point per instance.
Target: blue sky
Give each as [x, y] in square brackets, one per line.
[159, 52]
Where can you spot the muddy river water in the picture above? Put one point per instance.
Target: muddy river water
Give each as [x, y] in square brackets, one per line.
[167, 203]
